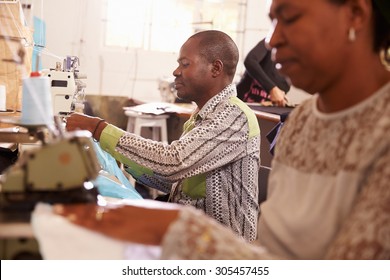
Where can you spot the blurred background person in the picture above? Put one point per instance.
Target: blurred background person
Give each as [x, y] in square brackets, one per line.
[261, 81]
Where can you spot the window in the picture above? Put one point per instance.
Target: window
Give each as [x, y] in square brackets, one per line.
[163, 25]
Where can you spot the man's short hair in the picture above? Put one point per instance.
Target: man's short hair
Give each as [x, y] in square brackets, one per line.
[214, 44]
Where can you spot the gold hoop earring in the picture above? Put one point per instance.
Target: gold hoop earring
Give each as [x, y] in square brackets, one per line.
[352, 34]
[384, 56]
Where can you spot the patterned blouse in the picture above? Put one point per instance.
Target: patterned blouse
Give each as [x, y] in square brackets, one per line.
[328, 195]
[213, 166]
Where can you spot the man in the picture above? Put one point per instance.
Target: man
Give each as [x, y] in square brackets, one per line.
[214, 165]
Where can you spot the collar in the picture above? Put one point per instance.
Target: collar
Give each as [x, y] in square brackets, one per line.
[209, 107]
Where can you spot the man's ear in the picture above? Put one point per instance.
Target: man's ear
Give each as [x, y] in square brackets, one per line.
[217, 68]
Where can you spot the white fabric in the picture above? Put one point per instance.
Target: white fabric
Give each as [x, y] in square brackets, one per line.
[59, 239]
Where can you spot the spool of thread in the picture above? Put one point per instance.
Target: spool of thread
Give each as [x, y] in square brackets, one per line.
[3, 99]
[37, 107]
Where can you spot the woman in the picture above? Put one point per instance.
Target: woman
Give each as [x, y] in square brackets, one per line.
[261, 81]
[329, 191]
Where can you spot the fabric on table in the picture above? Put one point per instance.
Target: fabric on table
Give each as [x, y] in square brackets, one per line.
[111, 181]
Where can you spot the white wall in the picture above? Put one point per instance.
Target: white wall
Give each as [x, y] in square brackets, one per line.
[75, 27]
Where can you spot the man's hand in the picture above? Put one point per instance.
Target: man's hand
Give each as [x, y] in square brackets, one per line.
[77, 121]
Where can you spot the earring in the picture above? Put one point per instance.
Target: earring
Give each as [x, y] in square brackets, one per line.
[352, 34]
[384, 56]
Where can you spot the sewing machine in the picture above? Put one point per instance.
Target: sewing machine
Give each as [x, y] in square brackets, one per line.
[55, 171]
[59, 171]
[67, 86]
[61, 164]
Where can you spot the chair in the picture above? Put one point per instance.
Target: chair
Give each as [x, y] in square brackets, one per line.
[263, 182]
[158, 123]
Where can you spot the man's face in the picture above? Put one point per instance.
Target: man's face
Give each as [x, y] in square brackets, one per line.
[193, 75]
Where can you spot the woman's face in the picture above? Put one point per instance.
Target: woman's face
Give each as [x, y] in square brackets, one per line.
[310, 41]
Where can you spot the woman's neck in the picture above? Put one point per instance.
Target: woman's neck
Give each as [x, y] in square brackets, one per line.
[354, 87]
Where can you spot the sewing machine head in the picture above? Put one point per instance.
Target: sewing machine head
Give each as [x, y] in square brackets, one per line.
[67, 86]
[167, 90]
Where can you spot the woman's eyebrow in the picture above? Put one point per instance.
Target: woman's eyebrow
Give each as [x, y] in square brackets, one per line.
[279, 10]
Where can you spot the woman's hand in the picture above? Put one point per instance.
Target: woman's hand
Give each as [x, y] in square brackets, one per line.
[145, 225]
[278, 97]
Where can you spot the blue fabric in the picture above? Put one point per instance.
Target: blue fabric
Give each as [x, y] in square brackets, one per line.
[272, 136]
[111, 181]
